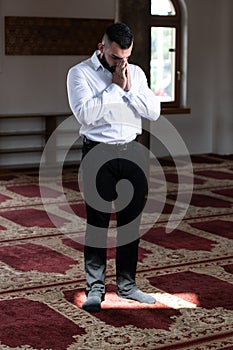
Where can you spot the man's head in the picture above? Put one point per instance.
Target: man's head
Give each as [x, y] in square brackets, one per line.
[119, 33]
[117, 44]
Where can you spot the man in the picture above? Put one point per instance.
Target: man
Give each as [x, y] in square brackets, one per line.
[109, 96]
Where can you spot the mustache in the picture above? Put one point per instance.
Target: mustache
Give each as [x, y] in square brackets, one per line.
[106, 65]
[113, 68]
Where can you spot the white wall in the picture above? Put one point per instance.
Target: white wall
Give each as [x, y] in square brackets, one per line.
[36, 84]
[209, 127]
[223, 114]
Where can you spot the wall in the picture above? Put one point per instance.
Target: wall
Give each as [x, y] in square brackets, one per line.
[37, 83]
[223, 114]
[209, 127]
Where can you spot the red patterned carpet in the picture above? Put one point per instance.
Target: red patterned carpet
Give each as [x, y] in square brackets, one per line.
[190, 270]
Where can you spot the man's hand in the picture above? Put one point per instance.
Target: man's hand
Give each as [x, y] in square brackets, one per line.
[128, 84]
[121, 76]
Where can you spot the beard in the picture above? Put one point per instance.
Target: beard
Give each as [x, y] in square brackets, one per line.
[106, 65]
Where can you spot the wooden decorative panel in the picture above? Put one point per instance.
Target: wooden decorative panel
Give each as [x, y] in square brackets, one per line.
[53, 36]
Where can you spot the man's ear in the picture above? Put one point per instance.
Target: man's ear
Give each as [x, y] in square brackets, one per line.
[101, 47]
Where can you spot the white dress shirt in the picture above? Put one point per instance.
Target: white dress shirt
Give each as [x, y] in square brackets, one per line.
[105, 111]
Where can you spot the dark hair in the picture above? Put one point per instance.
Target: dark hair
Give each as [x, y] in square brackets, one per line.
[121, 34]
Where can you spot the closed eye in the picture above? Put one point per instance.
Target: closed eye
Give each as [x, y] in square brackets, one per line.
[118, 58]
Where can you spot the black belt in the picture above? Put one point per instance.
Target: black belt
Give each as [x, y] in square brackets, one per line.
[116, 146]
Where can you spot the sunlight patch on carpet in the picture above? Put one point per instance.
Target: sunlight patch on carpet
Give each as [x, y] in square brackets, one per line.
[178, 301]
[163, 301]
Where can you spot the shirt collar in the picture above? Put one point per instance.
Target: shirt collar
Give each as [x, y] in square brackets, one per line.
[95, 60]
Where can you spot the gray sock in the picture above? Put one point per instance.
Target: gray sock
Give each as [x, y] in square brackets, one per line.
[93, 303]
[138, 295]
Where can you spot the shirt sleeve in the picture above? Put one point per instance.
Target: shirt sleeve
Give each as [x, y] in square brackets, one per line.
[88, 107]
[142, 98]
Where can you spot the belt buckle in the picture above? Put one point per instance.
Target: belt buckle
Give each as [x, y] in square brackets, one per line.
[122, 147]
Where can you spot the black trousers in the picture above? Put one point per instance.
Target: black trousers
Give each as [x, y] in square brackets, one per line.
[122, 163]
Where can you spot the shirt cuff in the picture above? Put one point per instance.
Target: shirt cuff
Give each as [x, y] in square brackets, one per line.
[129, 95]
[116, 89]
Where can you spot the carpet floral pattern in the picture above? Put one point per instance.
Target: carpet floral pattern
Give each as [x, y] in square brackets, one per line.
[189, 271]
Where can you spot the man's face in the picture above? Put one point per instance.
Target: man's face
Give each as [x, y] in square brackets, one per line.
[112, 54]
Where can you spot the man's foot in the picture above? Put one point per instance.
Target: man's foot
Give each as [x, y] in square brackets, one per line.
[138, 295]
[93, 303]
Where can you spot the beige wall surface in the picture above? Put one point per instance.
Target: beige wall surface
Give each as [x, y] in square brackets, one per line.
[36, 84]
[209, 127]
